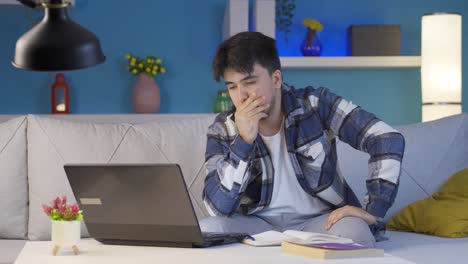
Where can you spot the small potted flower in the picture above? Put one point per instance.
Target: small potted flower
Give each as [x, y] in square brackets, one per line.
[311, 45]
[146, 94]
[66, 223]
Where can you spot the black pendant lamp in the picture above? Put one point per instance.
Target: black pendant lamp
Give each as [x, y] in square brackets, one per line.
[56, 43]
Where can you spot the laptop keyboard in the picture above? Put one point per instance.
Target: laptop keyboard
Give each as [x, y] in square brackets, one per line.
[214, 239]
[211, 235]
[226, 237]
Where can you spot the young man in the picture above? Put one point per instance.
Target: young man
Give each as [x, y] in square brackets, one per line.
[272, 161]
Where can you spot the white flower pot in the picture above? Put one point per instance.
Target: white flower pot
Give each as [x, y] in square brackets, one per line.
[66, 233]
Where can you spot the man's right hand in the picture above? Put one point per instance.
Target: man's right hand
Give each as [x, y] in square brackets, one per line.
[248, 114]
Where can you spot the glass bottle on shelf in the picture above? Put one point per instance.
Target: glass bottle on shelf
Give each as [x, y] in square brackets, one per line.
[223, 102]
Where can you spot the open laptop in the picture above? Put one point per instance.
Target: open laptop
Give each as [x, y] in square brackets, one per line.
[139, 204]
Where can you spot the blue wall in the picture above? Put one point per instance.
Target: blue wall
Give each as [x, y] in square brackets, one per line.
[185, 33]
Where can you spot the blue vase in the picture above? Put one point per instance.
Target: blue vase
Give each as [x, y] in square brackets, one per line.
[311, 45]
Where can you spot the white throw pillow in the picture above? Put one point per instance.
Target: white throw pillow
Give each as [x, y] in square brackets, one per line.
[13, 179]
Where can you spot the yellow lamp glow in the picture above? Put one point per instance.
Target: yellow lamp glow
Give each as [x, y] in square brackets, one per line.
[441, 79]
[60, 107]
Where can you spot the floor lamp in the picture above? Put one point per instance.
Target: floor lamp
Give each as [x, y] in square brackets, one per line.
[441, 79]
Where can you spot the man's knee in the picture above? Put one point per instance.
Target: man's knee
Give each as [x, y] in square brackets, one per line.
[234, 224]
[354, 228]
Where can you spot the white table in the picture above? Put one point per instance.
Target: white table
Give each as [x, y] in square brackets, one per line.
[91, 251]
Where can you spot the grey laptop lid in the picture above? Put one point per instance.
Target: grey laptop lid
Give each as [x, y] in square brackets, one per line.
[135, 202]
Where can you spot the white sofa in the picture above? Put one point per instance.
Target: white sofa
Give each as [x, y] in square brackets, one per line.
[34, 148]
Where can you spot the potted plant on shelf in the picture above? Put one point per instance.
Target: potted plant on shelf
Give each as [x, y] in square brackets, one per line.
[146, 93]
[284, 15]
[66, 223]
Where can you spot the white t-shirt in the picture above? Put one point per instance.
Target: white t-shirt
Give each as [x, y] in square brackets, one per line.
[288, 196]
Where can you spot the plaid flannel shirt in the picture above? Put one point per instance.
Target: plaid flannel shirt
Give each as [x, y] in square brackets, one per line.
[240, 175]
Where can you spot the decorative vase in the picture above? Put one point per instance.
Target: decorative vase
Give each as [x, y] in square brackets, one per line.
[146, 95]
[311, 45]
[66, 234]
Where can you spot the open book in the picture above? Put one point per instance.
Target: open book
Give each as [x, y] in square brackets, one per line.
[274, 238]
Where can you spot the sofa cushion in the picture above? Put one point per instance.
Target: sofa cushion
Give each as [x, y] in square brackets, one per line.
[10, 249]
[444, 213]
[434, 151]
[353, 166]
[53, 143]
[13, 179]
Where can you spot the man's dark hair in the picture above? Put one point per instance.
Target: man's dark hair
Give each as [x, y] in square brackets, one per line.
[241, 51]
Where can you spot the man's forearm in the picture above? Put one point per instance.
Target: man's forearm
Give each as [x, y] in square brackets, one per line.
[227, 175]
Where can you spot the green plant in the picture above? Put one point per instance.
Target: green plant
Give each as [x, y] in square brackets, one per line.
[284, 14]
[150, 66]
[60, 211]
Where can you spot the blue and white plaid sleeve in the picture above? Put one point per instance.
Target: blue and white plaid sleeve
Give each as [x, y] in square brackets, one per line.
[227, 156]
[364, 131]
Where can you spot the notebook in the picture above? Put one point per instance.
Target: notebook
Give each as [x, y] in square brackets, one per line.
[330, 250]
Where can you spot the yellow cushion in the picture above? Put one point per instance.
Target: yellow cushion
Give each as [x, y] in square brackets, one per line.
[444, 213]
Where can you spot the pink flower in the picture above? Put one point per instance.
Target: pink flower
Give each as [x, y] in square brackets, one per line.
[57, 203]
[60, 204]
[60, 210]
[75, 209]
[47, 209]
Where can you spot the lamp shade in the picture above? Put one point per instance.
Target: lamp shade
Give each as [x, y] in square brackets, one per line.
[441, 62]
[57, 44]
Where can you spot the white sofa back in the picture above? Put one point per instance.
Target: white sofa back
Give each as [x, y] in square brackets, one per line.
[53, 141]
[434, 151]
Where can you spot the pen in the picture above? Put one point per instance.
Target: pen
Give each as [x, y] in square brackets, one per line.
[251, 237]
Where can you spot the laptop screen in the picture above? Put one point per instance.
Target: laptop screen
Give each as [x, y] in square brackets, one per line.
[134, 201]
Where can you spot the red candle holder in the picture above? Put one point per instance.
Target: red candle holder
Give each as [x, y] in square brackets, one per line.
[60, 101]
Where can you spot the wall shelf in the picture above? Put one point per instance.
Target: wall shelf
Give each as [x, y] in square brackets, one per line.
[351, 62]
